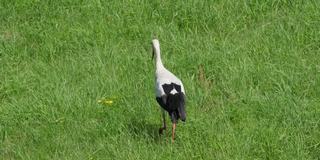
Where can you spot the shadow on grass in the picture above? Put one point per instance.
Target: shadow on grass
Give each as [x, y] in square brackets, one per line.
[143, 130]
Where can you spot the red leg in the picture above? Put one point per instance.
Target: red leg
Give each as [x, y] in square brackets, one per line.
[173, 131]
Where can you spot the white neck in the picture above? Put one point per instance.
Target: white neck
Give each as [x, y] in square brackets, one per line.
[156, 47]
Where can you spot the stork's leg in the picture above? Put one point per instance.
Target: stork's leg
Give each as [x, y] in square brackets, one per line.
[173, 130]
[164, 126]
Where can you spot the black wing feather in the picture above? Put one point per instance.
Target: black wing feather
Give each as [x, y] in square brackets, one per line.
[173, 103]
[167, 88]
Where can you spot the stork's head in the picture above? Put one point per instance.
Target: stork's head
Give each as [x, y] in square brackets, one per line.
[155, 47]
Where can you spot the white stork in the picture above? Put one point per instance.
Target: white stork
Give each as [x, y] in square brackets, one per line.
[170, 92]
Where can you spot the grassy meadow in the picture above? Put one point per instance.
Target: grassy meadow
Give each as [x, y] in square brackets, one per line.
[251, 71]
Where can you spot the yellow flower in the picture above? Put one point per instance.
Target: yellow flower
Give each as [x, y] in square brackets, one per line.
[106, 101]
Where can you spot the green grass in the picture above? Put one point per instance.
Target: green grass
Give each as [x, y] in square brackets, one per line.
[256, 96]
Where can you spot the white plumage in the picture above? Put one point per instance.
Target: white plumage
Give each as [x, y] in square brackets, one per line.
[163, 76]
[170, 93]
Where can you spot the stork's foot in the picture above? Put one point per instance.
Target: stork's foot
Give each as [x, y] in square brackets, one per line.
[161, 130]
